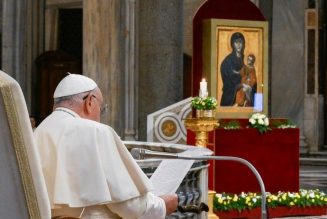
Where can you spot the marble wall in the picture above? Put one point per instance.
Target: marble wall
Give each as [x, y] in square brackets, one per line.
[288, 72]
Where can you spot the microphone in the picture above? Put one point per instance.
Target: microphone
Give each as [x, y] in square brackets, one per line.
[141, 154]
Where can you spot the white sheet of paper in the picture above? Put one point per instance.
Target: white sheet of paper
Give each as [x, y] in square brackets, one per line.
[170, 173]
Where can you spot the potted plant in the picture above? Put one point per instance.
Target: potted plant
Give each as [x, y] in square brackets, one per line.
[204, 106]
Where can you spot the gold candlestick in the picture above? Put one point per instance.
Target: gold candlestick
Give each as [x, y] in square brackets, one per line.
[201, 127]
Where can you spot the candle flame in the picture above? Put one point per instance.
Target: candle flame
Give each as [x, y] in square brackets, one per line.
[203, 80]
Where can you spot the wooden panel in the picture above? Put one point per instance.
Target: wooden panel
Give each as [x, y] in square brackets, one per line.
[311, 18]
[52, 66]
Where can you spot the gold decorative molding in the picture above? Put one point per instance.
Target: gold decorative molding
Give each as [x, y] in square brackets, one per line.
[201, 127]
[211, 215]
[216, 46]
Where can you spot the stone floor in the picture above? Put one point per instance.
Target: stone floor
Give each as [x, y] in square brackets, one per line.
[313, 174]
[313, 171]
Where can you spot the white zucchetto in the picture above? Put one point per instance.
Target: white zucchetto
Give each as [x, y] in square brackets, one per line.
[74, 84]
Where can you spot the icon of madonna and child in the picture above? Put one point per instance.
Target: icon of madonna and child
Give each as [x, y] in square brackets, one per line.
[238, 75]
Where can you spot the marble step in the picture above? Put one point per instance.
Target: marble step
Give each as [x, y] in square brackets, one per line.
[318, 154]
[312, 174]
[316, 161]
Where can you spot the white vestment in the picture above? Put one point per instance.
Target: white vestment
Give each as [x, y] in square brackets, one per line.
[86, 165]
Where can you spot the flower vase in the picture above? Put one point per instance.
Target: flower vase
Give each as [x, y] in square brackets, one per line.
[205, 113]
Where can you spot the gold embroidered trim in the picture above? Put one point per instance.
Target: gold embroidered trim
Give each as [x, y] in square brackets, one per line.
[21, 153]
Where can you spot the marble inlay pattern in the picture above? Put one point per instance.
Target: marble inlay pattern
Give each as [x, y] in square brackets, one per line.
[166, 125]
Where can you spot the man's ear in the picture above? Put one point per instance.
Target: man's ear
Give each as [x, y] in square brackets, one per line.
[88, 105]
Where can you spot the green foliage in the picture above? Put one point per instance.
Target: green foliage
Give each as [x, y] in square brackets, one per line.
[283, 124]
[303, 198]
[230, 125]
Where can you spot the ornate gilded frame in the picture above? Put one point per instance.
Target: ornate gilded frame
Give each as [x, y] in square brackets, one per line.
[217, 45]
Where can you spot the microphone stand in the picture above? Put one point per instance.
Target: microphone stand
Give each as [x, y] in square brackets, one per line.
[150, 154]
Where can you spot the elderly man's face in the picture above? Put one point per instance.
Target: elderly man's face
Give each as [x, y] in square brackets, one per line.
[94, 104]
[97, 97]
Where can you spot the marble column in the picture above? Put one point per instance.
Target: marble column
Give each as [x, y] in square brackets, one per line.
[103, 54]
[131, 63]
[160, 57]
[22, 40]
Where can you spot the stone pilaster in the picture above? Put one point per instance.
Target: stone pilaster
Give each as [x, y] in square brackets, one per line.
[131, 70]
[22, 40]
[287, 99]
[160, 57]
[103, 54]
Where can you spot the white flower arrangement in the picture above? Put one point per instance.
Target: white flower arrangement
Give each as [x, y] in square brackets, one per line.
[259, 121]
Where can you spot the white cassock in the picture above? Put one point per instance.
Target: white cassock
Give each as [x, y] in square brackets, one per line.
[88, 169]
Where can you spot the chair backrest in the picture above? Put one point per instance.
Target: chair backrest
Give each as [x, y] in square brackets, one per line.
[23, 192]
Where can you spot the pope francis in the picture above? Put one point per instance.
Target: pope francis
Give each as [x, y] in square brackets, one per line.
[89, 173]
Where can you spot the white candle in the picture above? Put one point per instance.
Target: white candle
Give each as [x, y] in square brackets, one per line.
[203, 88]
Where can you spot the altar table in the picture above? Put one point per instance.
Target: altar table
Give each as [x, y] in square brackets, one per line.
[274, 154]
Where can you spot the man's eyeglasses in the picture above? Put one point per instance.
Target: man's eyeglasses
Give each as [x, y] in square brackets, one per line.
[103, 107]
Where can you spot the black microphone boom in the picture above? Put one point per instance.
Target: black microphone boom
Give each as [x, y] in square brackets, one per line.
[140, 153]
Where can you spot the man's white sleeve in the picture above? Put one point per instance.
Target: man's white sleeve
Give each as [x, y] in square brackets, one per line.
[148, 206]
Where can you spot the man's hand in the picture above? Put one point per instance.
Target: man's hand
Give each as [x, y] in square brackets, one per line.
[171, 202]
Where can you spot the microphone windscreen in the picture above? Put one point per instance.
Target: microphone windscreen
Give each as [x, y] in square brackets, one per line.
[136, 153]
